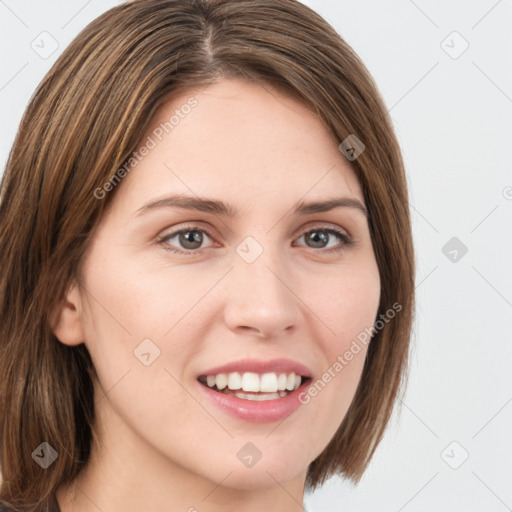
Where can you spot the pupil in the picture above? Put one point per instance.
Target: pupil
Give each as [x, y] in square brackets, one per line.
[314, 236]
[195, 238]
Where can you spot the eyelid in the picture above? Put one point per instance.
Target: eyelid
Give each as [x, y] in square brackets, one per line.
[310, 226]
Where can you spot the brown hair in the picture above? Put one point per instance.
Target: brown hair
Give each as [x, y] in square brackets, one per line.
[82, 124]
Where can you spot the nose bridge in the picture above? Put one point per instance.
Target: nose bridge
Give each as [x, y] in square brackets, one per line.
[259, 296]
[259, 267]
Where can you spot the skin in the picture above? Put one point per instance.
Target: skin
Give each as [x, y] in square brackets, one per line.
[161, 444]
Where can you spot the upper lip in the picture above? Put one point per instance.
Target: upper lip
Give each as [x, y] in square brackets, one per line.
[261, 366]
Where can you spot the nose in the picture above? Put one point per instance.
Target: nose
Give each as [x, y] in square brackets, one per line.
[260, 298]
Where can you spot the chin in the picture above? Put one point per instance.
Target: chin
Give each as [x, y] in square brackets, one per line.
[263, 473]
[262, 478]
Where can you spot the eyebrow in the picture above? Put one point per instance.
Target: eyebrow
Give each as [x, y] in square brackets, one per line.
[217, 207]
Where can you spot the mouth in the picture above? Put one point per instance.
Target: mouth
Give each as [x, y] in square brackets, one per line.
[256, 390]
[255, 386]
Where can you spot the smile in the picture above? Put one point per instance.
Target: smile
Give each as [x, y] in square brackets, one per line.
[253, 386]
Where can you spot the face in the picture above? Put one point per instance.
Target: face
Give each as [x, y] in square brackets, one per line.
[170, 294]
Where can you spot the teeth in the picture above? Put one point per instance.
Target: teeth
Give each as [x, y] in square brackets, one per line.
[281, 382]
[250, 382]
[268, 383]
[255, 383]
[234, 380]
[257, 398]
[221, 381]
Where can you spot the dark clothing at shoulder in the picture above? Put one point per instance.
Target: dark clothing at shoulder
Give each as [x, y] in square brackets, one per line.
[54, 507]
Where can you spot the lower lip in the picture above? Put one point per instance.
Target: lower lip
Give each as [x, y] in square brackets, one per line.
[257, 411]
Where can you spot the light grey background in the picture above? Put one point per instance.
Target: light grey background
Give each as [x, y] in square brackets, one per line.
[453, 117]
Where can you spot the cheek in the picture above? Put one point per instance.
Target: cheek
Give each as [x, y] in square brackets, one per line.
[137, 312]
[125, 323]
[348, 304]
[139, 298]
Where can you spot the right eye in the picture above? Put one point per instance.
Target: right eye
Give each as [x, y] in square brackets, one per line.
[190, 238]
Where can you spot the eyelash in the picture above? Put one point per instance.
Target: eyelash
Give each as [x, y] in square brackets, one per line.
[345, 239]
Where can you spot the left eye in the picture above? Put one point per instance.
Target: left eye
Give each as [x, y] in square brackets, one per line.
[321, 235]
[190, 239]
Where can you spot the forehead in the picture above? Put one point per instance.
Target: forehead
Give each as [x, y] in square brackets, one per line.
[239, 140]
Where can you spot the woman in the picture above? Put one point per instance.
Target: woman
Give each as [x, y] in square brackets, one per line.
[206, 263]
